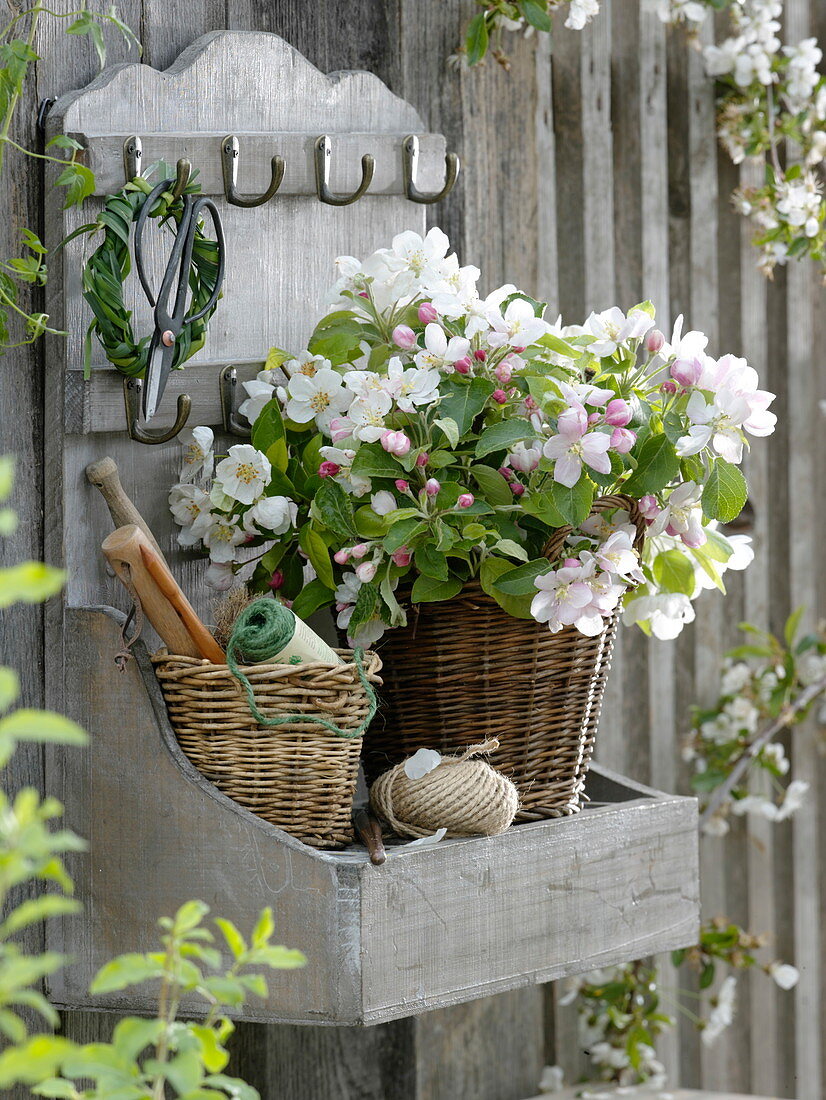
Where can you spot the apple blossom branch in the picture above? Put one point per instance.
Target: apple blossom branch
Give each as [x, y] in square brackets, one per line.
[741, 766]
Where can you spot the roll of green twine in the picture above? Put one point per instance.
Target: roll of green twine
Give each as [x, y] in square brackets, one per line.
[262, 631]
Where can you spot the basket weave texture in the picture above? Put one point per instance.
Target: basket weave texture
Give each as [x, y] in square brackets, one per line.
[297, 776]
[464, 670]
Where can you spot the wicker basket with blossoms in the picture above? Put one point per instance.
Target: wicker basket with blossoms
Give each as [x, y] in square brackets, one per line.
[429, 437]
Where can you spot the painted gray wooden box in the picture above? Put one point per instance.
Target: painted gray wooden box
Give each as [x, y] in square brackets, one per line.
[432, 927]
[429, 928]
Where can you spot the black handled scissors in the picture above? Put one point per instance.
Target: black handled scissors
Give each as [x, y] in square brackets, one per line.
[169, 324]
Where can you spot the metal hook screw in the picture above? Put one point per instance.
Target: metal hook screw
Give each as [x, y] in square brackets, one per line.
[410, 159]
[132, 390]
[230, 150]
[323, 153]
[132, 155]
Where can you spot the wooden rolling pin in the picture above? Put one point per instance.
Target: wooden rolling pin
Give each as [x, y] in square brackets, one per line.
[141, 568]
[104, 475]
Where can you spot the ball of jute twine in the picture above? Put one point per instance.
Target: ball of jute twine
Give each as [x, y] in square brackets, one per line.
[465, 796]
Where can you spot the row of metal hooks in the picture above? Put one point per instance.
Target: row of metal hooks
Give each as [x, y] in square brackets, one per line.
[230, 153]
[231, 421]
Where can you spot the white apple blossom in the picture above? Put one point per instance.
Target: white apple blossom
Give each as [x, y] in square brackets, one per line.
[412, 387]
[368, 413]
[219, 576]
[524, 458]
[343, 457]
[274, 515]
[244, 474]
[383, 502]
[259, 394]
[722, 1014]
[440, 353]
[682, 515]
[612, 329]
[717, 425]
[518, 326]
[573, 445]
[785, 975]
[666, 613]
[190, 507]
[580, 13]
[198, 458]
[319, 396]
[221, 537]
[416, 263]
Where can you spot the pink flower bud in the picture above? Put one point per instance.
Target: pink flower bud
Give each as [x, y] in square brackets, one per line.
[686, 371]
[341, 556]
[617, 413]
[654, 341]
[288, 604]
[463, 365]
[366, 571]
[668, 387]
[395, 443]
[277, 580]
[341, 606]
[503, 372]
[404, 336]
[517, 488]
[695, 538]
[359, 550]
[428, 313]
[363, 294]
[465, 500]
[402, 557]
[572, 563]
[517, 351]
[594, 418]
[432, 486]
[506, 473]
[622, 440]
[423, 459]
[672, 530]
[530, 404]
[499, 396]
[648, 507]
[340, 428]
[480, 354]
[402, 485]
[328, 469]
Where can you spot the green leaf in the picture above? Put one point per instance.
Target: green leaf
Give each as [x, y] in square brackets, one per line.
[235, 941]
[316, 550]
[559, 346]
[57, 1089]
[402, 533]
[657, 465]
[277, 957]
[43, 726]
[724, 493]
[124, 971]
[335, 509]
[476, 39]
[542, 506]
[37, 909]
[491, 572]
[189, 916]
[536, 14]
[519, 581]
[264, 928]
[213, 1055]
[494, 487]
[29, 582]
[511, 548]
[431, 590]
[311, 598]
[574, 503]
[673, 572]
[431, 563]
[793, 625]
[9, 687]
[79, 182]
[707, 975]
[269, 435]
[373, 461]
[133, 1035]
[364, 608]
[463, 401]
[450, 429]
[503, 436]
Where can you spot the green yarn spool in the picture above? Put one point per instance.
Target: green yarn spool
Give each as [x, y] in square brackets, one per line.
[262, 631]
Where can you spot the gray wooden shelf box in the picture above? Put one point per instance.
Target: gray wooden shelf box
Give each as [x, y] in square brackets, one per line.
[432, 927]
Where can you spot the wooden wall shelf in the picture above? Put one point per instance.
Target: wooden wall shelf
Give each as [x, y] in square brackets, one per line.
[431, 927]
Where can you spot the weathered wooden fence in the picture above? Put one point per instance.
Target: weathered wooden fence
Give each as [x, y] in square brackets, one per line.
[592, 176]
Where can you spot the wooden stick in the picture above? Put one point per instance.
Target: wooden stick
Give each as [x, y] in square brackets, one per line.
[145, 575]
[104, 475]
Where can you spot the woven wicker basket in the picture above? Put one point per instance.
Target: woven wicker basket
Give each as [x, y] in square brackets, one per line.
[464, 670]
[297, 776]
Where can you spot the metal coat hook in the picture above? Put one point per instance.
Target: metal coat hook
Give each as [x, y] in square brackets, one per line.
[132, 391]
[183, 172]
[227, 387]
[323, 153]
[410, 161]
[230, 150]
[132, 157]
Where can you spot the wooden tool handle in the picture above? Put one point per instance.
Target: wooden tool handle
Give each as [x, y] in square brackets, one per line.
[103, 474]
[145, 574]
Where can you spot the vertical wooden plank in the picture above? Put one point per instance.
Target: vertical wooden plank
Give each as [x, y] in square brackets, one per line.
[168, 28]
[547, 280]
[566, 90]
